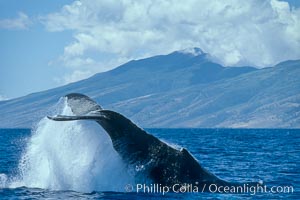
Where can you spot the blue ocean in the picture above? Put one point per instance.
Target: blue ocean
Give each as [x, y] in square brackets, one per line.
[74, 161]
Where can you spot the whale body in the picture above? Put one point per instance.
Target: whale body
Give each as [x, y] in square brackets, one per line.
[161, 163]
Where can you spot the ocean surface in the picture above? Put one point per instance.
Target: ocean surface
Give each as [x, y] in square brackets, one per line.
[34, 163]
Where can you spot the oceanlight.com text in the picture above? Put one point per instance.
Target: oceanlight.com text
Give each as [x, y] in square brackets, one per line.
[210, 188]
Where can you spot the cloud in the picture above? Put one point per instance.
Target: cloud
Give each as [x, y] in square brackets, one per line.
[260, 33]
[3, 98]
[20, 23]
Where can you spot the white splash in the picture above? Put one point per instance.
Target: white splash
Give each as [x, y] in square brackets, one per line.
[74, 155]
[3, 180]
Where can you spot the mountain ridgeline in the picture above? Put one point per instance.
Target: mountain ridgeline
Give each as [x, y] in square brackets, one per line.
[181, 89]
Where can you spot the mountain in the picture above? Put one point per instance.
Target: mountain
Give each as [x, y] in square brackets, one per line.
[181, 89]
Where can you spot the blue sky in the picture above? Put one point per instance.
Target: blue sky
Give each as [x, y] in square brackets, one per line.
[45, 44]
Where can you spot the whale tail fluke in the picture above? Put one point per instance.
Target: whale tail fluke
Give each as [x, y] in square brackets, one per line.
[83, 108]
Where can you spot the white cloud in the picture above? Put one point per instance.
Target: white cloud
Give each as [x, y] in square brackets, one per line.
[254, 32]
[3, 98]
[19, 23]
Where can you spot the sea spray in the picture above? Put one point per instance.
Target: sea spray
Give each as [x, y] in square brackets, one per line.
[74, 155]
[3, 180]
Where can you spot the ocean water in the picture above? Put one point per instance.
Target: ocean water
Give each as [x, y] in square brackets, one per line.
[44, 164]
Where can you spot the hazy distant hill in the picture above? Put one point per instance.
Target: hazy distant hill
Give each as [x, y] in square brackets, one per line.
[182, 89]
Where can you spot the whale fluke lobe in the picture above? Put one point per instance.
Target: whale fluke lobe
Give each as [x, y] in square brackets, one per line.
[81, 104]
[153, 159]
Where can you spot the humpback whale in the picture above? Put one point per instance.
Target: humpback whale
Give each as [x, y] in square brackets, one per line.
[161, 163]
